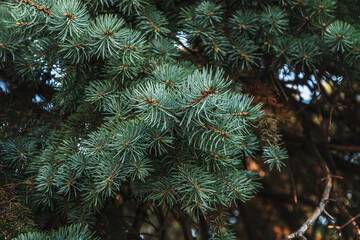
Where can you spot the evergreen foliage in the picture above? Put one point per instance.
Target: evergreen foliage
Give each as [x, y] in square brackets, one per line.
[131, 113]
[71, 232]
[15, 218]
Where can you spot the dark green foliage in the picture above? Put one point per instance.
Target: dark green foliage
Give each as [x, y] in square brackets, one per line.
[73, 18]
[16, 152]
[135, 114]
[107, 34]
[71, 232]
[339, 36]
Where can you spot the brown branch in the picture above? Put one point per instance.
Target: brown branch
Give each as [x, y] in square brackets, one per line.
[158, 105]
[218, 157]
[240, 114]
[139, 217]
[224, 134]
[80, 44]
[52, 175]
[204, 227]
[333, 176]
[237, 191]
[186, 227]
[68, 73]
[299, 234]
[71, 179]
[204, 94]
[24, 23]
[348, 222]
[191, 179]
[344, 148]
[152, 23]
[246, 57]
[346, 217]
[98, 148]
[153, 102]
[48, 50]
[38, 7]
[14, 185]
[215, 46]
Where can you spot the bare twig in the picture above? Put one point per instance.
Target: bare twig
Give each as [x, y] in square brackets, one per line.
[329, 216]
[299, 234]
[350, 221]
[344, 215]
[344, 148]
[333, 176]
[355, 227]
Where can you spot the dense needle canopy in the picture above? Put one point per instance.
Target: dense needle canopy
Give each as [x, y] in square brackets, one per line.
[168, 111]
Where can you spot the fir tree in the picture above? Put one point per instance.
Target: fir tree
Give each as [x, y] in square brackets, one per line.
[143, 102]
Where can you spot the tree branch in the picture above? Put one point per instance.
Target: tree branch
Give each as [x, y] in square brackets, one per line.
[344, 148]
[182, 219]
[344, 215]
[204, 228]
[350, 221]
[139, 217]
[321, 208]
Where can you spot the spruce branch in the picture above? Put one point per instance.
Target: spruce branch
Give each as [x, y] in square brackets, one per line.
[37, 7]
[135, 116]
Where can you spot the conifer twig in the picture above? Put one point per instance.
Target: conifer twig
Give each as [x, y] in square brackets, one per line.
[351, 220]
[48, 50]
[299, 234]
[38, 7]
[346, 216]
